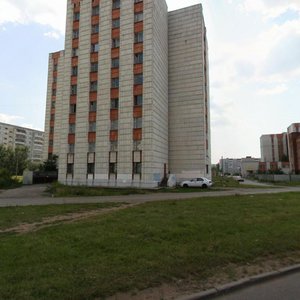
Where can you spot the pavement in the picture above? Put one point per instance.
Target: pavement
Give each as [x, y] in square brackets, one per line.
[283, 284]
[34, 195]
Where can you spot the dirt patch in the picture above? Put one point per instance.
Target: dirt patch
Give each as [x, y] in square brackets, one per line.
[192, 285]
[69, 218]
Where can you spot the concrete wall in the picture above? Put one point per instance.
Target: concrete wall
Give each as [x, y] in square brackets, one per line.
[189, 133]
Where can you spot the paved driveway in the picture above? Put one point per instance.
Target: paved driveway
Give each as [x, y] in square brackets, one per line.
[33, 195]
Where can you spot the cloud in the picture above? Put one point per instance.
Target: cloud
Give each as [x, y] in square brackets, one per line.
[49, 13]
[273, 90]
[10, 119]
[52, 34]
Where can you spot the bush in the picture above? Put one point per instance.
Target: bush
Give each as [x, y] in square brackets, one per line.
[6, 181]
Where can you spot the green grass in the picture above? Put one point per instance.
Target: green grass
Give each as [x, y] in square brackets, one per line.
[13, 216]
[147, 245]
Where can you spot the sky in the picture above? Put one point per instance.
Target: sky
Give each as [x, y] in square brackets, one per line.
[254, 56]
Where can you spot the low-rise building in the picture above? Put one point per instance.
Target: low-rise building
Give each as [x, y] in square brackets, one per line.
[249, 166]
[13, 136]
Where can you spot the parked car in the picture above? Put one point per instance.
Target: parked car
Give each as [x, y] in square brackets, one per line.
[197, 182]
[238, 178]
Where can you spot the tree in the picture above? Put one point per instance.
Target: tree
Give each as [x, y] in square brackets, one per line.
[50, 164]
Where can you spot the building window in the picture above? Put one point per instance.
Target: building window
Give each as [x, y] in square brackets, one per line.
[51, 130]
[54, 92]
[74, 71]
[116, 4]
[138, 58]
[114, 125]
[75, 52]
[95, 28]
[55, 68]
[92, 126]
[114, 104]
[92, 147]
[137, 168]
[91, 168]
[93, 106]
[115, 83]
[76, 16]
[50, 143]
[73, 89]
[137, 145]
[113, 168]
[138, 100]
[94, 48]
[75, 34]
[70, 168]
[95, 10]
[114, 146]
[138, 17]
[93, 86]
[52, 117]
[72, 108]
[138, 37]
[115, 23]
[115, 63]
[115, 43]
[71, 148]
[54, 79]
[138, 79]
[72, 128]
[137, 1]
[137, 123]
[94, 67]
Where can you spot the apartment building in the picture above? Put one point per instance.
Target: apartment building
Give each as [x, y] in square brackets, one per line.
[13, 136]
[128, 98]
[294, 147]
[230, 166]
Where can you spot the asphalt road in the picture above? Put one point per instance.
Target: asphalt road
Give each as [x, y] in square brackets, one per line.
[33, 195]
[286, 287]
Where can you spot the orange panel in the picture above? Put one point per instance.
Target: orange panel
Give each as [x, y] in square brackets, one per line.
[53, 85]
[115, 33]
[95, 20]
[93, 96]
[71, 138]
[138, 27]
[73, 99]
[92, 137]
[114, 93]
[53, 98]
[52, 111]
[50, 149]
[138, 47]
[56, 55]
[54, 73]
[138, 89]
[114, 114]
[115, 73]
[137, 111]
[76, 9]
[116, 13]
[138, 7]
[51, 136]
[137, 134]
[94, 57]
[93, 76]
[72, 119]
[138, 69]
[115, 52]
[74, 61]
[75, 43]
[94, 38]
[75, 25]
[92, 116]
[51, 123]
[113, 135]
[73, 80]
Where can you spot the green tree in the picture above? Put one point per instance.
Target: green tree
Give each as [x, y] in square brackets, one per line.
[50, 164]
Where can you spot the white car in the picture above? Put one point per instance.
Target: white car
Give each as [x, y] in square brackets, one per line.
[197, 182]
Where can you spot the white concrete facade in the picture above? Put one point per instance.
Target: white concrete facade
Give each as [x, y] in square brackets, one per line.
[132, 161]
[189, 113]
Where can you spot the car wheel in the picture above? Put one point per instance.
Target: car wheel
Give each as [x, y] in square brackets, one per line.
[204, 186]
[185, 185]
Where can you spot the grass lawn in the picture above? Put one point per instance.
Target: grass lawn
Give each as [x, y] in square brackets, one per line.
[146, 245]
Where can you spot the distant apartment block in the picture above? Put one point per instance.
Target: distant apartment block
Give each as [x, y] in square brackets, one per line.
[249, 166]
[294, 147]
[128, 98]
[13, 136]
[230, 166]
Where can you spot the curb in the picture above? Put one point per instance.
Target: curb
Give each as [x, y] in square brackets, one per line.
[235, 285]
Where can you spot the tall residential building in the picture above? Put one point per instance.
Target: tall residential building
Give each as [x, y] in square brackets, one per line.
[128, 98]
[274, 147]
[294, 147]
[13, 136]
[230, 166]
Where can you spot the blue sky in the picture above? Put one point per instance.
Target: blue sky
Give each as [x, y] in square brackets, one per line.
[254, 51]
